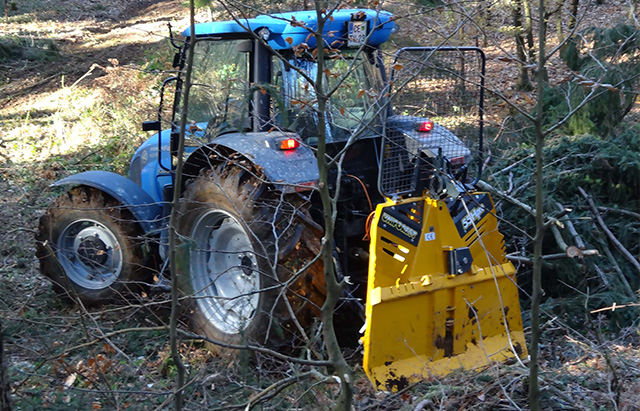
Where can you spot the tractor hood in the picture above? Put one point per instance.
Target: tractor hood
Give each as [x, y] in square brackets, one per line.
[288, 30]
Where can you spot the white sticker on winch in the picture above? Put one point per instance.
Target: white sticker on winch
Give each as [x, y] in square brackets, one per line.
[429, 236]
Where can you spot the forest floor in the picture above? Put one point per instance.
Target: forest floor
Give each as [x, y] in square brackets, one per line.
[87, 74]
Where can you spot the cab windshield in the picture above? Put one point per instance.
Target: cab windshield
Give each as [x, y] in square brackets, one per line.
[220, 95]
[220, 85]
[355, 106]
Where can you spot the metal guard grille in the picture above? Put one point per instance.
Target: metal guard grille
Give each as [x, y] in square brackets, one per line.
[445, 86]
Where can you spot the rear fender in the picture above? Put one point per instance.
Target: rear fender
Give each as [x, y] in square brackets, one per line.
[289, 171]
[145, 210]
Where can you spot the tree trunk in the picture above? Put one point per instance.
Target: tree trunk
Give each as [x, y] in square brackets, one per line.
[574, 14]
[175, 308]
[539, 121]
[528, 28]
[5, 400]
[559, 29]
[340, 369]
[485, 20]
[523, 78]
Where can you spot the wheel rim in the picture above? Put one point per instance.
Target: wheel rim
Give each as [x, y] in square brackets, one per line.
[90, 254]
[224, 272]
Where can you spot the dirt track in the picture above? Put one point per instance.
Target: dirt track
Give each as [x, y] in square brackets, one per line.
[98, 51]
[65, 109]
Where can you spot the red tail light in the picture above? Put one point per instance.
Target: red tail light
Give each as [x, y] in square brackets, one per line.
[289, 144]
[424, 126]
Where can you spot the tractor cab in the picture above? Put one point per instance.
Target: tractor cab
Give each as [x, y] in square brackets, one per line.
[254, 76]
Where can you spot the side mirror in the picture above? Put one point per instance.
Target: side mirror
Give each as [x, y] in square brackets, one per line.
[151, 126]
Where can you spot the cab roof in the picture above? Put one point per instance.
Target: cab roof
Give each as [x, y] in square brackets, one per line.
[291, 29]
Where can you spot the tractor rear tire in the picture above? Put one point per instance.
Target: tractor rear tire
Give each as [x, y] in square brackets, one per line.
[241, 242]
[91, 248]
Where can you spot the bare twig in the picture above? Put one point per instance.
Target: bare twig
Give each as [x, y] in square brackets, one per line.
[392, 397]
[502, 127]
[614, 306]
[601, 274]
[278, 386]
[619, 211]
[608, 232]
[510, 184]
[255, 348]
[483, 185]
[513, 165]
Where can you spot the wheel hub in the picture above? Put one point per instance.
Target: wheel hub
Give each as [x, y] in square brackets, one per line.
[246, 264]
[90, 254]
[93, 252]
[224, 271]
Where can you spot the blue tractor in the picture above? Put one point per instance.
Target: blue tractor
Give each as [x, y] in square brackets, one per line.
[250, 222]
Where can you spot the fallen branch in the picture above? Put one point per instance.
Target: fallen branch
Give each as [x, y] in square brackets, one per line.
[26, 89]
[615, 306]
[572, 229]
[619, 211]
[487, 160]
[483, 185]
[608, 210]
[504, 170]
[551, 257]
[557, 235]
[618, 270]
[87, 74]
[608, 232]
[601, 274]
[570, 251]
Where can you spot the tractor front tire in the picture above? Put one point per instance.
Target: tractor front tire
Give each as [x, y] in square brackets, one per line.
[91, 248]
[241, 248]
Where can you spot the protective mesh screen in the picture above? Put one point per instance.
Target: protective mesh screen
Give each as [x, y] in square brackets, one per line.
[443, 86]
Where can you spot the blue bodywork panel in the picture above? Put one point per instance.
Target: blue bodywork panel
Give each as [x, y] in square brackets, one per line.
[145, 167]
[145, 209]
[285, 169]
[293, 167]
[380, 25]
